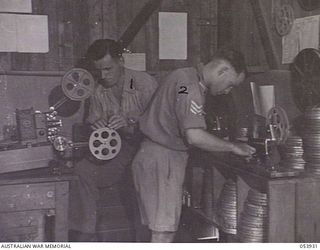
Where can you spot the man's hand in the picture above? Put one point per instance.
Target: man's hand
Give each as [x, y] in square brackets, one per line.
[117, 121]
[102, 123]
[243, 149]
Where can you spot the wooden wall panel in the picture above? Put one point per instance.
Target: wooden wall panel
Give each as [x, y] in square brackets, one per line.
[139, 43]
[194, 49]
[241, 31]
[74, 24]
[65, 16]
[109, 20]
[95, 20]
[124, 15]
[307, 212]
[208, 13]
[238, 27]
[5, 61]
[36, 60]
[152, 48]
[80, 29]
[51, 61]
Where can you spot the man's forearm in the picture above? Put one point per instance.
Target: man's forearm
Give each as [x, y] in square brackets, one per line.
[202, 139]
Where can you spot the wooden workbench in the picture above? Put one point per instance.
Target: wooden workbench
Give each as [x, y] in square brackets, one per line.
[293, 202]
[34, 206]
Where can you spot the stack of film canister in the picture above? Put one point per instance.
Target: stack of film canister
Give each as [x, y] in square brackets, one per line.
[311, 140]
[227, 208]
[293, 153]
[253, 222]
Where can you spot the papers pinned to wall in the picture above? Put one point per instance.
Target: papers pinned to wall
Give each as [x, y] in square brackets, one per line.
[304, 34]
[8, 31]
[135, 61]
[24, 33]
[22, 6]
[32, 33]
[173, 35]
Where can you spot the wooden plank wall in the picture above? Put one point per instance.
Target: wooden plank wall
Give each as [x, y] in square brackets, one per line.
[238, 28]
[74, 24]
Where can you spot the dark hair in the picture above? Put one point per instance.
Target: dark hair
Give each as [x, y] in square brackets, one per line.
[101, 47]
[234, 57]
[97, 50]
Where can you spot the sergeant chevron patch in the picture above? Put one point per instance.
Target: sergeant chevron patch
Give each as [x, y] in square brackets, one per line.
[196, 108]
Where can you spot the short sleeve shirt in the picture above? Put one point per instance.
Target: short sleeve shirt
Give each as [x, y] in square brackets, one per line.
[177, 106]
[138, 89]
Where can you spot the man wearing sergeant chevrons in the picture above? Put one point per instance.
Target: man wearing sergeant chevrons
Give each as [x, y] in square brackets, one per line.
[173, 122]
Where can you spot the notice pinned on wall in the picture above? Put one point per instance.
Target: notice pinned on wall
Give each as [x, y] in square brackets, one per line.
[135, 61]
[173, 35]
[24, 33]
[32, 33]
[8, 31]
[20, 6]
[304, 34]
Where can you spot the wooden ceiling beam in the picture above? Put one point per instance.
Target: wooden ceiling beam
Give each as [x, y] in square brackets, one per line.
[137, 23]
[265, 35]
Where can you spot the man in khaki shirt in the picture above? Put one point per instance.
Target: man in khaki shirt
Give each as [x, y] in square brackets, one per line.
[172, 124]
[121, 96]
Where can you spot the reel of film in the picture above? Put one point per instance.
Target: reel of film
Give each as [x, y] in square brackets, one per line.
[104, 144]
[284, 18]
[77, 84]
[278, 122]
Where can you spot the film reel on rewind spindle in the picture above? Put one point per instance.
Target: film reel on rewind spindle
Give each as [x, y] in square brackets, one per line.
[278, 118]
[105, 143]
[77, 84]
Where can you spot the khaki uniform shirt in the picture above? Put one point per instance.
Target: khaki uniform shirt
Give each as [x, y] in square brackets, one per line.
[137, 91]
[177, 106]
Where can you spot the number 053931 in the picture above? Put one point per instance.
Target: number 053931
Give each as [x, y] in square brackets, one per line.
[308, 245]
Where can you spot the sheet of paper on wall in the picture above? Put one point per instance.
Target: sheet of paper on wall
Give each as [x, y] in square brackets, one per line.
[24, 33]
[173, 35]
[8, 31]
[22, 6]
[304, 34]
[32, 33]
[263, 98]
[135, 61]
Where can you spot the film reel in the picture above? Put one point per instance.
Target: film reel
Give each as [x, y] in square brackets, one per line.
[305, 75]
[284, 18]
[104, 143]
[279, 121]
[77, 84]
[60, 143]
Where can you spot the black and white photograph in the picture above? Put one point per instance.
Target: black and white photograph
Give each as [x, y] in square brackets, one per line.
[159, 121]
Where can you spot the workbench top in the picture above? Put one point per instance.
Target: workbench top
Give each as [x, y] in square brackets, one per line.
[34, 176]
